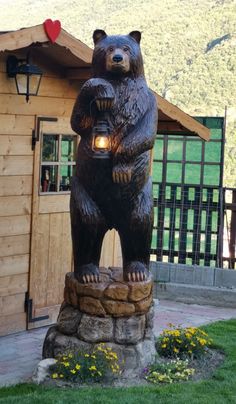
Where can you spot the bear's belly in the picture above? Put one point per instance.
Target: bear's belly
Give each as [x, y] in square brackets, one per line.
[96, 177]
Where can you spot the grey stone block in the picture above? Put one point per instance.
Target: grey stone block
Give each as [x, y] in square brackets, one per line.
[195, 294]
[160, 271]
[182, 274]
[95, 329]
[130, 330]
[204, 276]
[146, 352]
[68, 320]
[65, 343]
[225, 278]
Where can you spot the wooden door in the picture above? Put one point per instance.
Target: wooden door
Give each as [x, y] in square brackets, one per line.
[51, 247]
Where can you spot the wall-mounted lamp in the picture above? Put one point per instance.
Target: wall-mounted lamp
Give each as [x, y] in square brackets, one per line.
[27, 76]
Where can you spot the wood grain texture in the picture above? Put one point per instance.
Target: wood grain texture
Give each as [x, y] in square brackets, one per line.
[49, 87]
[16, 124]
[12, 304]
[15, 145]
[15, 185]
[184, 119]
[16, 165]
[25, 37]
[14, 265]
[14, 245]
[14, 225]
[12, 323]
[14, 284]
[15, 205]
[36, 105]
[54, 203]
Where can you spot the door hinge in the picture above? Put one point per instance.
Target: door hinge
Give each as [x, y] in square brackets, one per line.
[29, 310]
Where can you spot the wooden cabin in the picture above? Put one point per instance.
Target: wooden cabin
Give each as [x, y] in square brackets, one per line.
[36, 161]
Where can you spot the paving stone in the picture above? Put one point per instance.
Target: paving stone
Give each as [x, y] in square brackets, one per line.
[167, 311]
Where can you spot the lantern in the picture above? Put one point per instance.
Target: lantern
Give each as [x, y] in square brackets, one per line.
[27, 76]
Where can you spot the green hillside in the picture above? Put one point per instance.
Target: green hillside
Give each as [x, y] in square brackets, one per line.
[189, 47]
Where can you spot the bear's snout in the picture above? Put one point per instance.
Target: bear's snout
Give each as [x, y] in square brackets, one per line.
[117, 58]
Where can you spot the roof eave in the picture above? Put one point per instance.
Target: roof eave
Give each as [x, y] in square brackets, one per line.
[27, 36]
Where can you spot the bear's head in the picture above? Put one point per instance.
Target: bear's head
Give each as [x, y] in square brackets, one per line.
[117, 55]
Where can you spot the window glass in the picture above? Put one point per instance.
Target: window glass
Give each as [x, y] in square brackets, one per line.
[68, 148]
[193, 150]
[157, 172]
[174, 172]
[192, 173]
[158, 149]
[66, 173]
[50, 148]
[211, 175]
[58, 162]
[49, 178]
[213, 152]
[175, 150]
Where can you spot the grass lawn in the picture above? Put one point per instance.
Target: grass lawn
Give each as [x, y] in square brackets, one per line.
[221, 388]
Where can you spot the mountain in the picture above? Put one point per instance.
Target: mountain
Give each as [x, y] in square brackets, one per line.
[189, 47]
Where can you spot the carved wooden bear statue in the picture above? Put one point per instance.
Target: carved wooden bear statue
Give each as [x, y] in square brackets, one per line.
[114, 192]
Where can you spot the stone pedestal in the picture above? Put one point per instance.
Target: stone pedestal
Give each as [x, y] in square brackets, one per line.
[113, 311]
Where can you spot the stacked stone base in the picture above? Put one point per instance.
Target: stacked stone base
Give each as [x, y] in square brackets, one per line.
[114, 312]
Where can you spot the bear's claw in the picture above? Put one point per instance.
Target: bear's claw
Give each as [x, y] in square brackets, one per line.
[88, 273]
[136, 272]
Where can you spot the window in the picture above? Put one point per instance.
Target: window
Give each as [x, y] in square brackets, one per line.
[187, 189]
[57, 162]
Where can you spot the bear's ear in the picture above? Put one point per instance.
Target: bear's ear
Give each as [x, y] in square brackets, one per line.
[98, 35]
[136, 35]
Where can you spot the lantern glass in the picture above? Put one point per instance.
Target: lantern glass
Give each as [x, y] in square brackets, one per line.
[27, 84]
[101, 142]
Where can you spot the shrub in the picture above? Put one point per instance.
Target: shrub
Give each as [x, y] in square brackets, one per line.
[183, 342]
[172, 371]
[102, 364]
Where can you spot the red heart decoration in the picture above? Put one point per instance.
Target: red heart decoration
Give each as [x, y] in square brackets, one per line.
[52, 29]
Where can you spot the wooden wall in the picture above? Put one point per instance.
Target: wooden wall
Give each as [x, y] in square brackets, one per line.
[17, 119]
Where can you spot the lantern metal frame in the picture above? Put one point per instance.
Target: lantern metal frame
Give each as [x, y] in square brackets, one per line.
[23, 67]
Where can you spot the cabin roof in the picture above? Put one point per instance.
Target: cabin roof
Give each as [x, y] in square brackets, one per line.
[75, 57]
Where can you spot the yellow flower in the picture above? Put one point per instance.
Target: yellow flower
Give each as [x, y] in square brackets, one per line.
[86, 355]
[93, 368]
[163, 346]
[176, 350]
[55, 375]
[73, 371]
[61, 376]
[70, 356]
[93, 356]
[192, 344]
[178, 340]
[66, 364]
[188, 335]
[202, 341]
[77, 367]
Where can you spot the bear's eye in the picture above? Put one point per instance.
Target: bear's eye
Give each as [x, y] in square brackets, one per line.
[111, 48]
[126, 48]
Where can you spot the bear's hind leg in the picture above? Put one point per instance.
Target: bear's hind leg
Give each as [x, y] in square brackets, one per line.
[88, 229]
[136, 235]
